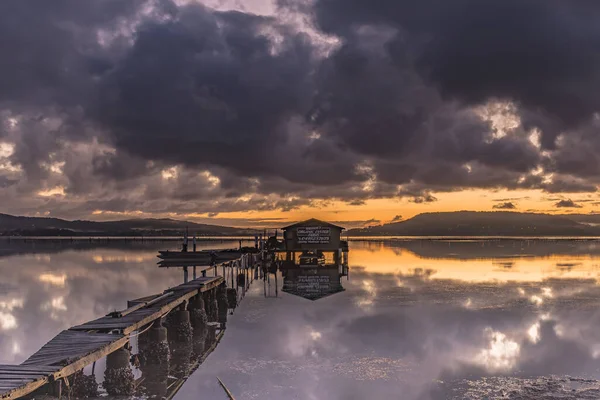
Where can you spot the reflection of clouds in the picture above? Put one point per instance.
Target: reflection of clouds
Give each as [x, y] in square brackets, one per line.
[369, 294]
[57, 303]
[52, 292]
[54, 307]
[11, 304]
[537, 300]
[16, 348]
[471, 262]
[54, 279]
[397, 328]
[534, 332]
[411, 337]
[126, 258]
[547, 292]
[501, 353]
[7, 320]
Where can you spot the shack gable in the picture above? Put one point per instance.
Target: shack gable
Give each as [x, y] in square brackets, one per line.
[312, 234]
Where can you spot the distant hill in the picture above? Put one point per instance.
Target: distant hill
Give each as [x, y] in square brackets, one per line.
[590, 219]
[472, 223]
[35, 226]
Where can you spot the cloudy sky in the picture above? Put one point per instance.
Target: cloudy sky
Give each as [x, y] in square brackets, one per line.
[264, 111]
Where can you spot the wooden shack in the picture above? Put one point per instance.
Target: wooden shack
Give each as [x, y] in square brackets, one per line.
[313, 236]
[315, 258]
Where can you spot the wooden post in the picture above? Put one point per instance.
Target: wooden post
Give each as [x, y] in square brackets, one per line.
[224, 276]
[185, 274]
[194, 272]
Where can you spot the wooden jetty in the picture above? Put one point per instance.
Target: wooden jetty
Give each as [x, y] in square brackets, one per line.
[82, 345]
[198, 307]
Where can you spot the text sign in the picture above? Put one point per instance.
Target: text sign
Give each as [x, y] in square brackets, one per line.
[313, 284]
[313, 235]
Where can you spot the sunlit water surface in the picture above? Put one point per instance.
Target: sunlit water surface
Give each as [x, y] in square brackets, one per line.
[418, 320]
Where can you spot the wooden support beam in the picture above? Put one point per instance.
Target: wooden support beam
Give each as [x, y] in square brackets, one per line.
[15, 393]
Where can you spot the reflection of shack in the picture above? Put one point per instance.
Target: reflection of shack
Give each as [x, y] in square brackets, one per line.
[315, 259]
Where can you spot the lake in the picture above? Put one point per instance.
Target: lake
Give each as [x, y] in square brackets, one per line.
[419, 319]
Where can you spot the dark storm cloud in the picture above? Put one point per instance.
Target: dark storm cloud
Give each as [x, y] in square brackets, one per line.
[51, 48]
[357, 203]
[426, 198]
[512, 199]
[540, 54]
[99, 97]
[567, 204]
[209, 88]
[505, 206]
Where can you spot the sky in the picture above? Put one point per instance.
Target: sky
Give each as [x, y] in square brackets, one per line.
[257, 113]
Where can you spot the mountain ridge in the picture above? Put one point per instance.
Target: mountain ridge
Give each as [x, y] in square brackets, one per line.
[486, 223]
[49, 226]
[454, 223]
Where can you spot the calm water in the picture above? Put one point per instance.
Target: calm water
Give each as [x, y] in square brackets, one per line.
[418, 320]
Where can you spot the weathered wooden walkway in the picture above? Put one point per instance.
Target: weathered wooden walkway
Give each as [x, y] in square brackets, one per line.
[73, 349]
[22, 379]
[136, 317]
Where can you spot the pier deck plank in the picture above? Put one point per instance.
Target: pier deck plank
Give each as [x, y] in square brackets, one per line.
[70, 345]
[143, 316]
[19, 380]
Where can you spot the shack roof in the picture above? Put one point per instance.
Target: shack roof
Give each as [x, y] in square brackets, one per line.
[311, 222]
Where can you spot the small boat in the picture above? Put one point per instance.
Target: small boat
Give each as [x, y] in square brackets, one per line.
[199, 256]
[184, 254]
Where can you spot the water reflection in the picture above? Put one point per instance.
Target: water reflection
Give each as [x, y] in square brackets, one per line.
[49, 287]
[418, 320]
[431, 324]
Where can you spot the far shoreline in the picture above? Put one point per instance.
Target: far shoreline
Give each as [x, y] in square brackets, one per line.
[349, 238]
